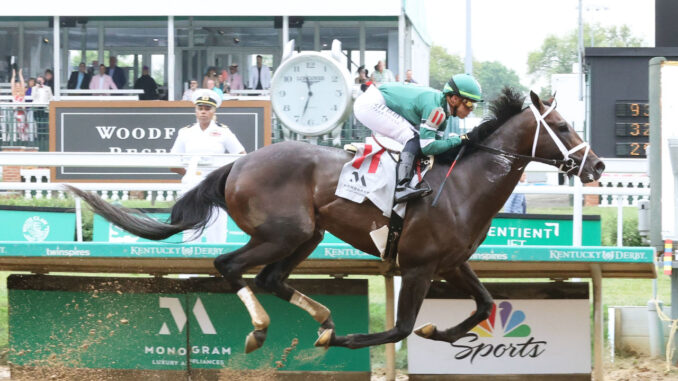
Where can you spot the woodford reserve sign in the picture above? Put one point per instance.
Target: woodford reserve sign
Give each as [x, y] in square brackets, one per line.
[145, 127]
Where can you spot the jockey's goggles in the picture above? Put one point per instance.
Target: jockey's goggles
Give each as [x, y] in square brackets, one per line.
[468, 103]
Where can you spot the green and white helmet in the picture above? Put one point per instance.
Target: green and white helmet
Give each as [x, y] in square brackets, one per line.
[465, 86]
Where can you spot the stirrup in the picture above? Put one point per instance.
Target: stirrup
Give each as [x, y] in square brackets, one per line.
[408, 193]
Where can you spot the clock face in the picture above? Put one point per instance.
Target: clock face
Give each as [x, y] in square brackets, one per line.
[310, 94]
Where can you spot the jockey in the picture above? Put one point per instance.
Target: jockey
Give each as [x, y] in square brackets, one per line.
[393, 109]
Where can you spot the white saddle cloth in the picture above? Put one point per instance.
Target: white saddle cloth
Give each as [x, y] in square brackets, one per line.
[371, 174]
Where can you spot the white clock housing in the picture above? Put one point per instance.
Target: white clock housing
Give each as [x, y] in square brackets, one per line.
[311, 93]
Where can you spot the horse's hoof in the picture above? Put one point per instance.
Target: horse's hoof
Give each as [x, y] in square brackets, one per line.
[324, 338]
[426, 330]
[254, 340]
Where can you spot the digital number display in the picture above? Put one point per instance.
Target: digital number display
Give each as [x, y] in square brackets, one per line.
[632, 149]
[632, 129]
[632, 110]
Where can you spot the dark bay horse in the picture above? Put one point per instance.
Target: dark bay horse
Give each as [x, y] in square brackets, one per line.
[283, 197]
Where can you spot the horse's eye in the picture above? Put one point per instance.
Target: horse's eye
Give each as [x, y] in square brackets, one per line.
[562, 127]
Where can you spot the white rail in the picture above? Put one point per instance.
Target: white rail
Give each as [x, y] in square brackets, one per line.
[102, 91]
[168, 191]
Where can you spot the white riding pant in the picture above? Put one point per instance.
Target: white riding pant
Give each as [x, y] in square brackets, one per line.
[370, 109]
[216, 230]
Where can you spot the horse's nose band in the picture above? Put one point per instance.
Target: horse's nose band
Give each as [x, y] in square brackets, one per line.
[569, 164]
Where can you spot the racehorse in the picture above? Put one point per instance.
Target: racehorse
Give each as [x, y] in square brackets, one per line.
[283, 196]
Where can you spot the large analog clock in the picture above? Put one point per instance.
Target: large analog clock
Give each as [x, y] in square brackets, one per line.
[311, 93]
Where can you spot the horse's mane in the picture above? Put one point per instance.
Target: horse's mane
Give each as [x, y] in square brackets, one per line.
[506, 105]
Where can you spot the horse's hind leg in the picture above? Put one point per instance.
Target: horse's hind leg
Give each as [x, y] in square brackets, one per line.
[256, 252]
[416, 282]
[273, 276]
[465, 279]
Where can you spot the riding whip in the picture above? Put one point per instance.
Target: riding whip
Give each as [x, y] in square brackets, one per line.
[442, 184]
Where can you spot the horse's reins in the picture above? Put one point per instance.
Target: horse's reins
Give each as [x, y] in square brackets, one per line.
[566, 164]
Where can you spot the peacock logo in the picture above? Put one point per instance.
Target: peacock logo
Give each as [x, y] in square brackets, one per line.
[511, 323]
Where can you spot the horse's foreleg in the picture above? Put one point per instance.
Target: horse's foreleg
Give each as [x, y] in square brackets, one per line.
[273, 276]
[415, 285]
[465, 279]
[233, 264]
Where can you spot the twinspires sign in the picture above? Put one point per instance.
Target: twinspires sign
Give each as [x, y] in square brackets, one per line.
[172, 325]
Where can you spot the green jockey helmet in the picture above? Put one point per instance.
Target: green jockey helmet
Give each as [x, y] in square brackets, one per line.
[465, 86]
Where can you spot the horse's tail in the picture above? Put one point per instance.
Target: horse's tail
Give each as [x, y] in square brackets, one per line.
[192, 211]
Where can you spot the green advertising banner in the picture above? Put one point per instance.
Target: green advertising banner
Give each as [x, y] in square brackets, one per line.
[541, 230]
[506, 229]
[118, 323]
[33, 224]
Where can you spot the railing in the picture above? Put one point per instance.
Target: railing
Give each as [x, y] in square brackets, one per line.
[100, 94]
[24, 124]
[168, 191]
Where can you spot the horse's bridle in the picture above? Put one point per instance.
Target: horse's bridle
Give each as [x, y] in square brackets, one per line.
[566, 164]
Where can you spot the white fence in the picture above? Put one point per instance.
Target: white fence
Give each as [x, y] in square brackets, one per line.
[614, 195]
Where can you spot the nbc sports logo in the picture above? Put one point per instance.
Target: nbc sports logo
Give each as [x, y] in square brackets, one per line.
[511, 322]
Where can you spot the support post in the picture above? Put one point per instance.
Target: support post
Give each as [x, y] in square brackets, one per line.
[316, 36]
[597, 278]
[620, 220]
[577, 200]
[78, 219]
[20, 57]
[468, 58]
[285, 31]
[100, 45]
[57, 58]
[401, 46]
[390, 323]
[361, 42]
[170, 58]
[655, 155]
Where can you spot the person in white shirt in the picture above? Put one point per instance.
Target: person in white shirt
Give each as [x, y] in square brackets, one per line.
[206, 136]
[40, 92]
[260, 76]
[188, 94]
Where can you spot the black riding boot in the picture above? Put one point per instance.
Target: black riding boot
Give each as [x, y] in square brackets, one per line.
[405, 170]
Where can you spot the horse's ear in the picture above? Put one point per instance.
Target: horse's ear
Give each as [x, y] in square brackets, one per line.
[536, 101]
[553, 97]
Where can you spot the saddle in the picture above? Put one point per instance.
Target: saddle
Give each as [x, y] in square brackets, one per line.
[386, 238]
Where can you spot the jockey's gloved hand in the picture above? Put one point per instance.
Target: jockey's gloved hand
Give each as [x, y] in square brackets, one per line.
[470, 137]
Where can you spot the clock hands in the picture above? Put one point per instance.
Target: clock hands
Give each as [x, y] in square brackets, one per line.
[310, 94]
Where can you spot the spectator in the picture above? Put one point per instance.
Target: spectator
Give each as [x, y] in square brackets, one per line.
[211, 74]
[146, 83]
[381, 74]
[221, 83]
[211, 85]
[18, 88]
[362, 77]
[79, 79]
[41, 92]
[18, 95]
[118, 75]
[49, 79]
[29, 89]
[102, 81]
[94, 68]
[260, 75]
[235, 79]
[408, 77]
[192, 87]
[206, 136]
[516, 202]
